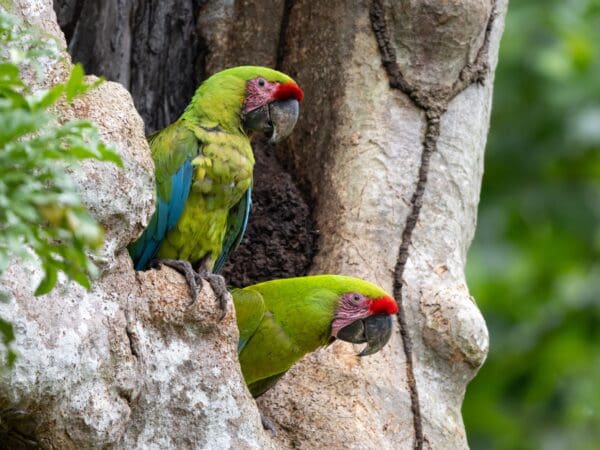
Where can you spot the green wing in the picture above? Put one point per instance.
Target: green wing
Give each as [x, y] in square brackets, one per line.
[237, 221]
[259, 387]
[249, 312]
[173, 149]
[280, 321]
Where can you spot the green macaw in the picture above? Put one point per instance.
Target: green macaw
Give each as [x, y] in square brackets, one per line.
[282, 320]
[204, 165]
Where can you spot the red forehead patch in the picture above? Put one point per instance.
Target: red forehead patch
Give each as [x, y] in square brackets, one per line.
[383, 305]
[288, 91]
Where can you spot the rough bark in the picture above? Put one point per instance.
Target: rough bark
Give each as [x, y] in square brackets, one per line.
[397, 188]
[127, 364]
[150, 47]
[389, 150]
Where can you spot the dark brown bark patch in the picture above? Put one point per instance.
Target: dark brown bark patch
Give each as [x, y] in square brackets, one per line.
[281, 239]
[150, 47]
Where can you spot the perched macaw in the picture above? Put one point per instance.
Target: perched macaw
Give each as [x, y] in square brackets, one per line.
[204, 165]
[282, 320]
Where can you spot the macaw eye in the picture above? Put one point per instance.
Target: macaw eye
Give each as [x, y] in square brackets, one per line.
[261, 82]
[356, 297]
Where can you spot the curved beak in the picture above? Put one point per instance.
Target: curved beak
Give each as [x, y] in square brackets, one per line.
[276, 119]
[374, 330]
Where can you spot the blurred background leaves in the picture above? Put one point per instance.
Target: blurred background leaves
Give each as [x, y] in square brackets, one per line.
[534, 266]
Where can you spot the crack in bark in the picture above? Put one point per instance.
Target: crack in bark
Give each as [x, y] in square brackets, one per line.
[434, 103]
[132, 336]
[429, 145]
[476, 71]
[69, 28]
[133, 340]
[285, 21]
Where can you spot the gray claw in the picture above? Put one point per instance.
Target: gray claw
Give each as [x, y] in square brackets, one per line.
[219, 287]
[268, 424]
[195, 281]
[184, 268]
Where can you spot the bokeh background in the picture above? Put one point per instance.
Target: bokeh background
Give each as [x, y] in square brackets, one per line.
[534, 266]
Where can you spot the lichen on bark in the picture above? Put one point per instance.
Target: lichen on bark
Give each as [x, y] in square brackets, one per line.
[127, 364]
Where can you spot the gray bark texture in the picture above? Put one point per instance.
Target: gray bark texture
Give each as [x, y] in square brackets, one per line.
[379, 180]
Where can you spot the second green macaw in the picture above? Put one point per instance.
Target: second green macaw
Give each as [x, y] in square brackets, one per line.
[282, 320]
[204, 164]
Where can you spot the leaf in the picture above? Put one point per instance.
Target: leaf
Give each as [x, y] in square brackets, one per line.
[79, 277]
[50, 97]
[6, 329]
[109, 154]
[96, 83]
[81, 152]
[8, 336]
[11, 357]
[4, 259]
[74, 84]
[48, 281]
[39, 205]
[19, 122]
[9, 73]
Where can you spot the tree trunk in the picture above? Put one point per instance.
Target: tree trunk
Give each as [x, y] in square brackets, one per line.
[385, 162]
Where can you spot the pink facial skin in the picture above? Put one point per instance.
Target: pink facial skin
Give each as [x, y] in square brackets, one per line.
[260, 91]
[354, 306]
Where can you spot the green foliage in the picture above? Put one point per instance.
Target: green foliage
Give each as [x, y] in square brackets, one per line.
[40, 212]
[534, 266]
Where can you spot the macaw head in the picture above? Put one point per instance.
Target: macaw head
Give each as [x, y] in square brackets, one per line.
[261, 99]
[361, 318]
[272, 106]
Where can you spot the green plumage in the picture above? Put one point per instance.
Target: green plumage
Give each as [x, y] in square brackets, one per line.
[204, 165]
[282, 320]
[222, 173]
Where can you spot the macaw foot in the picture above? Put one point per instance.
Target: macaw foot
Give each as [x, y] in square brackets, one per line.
[219, 287]
[184, 268]
[195, 279]
[268, 425]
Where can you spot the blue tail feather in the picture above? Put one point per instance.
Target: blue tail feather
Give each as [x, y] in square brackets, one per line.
[165, 217]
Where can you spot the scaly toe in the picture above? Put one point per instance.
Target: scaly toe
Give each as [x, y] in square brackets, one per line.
[268, 424]
[219, 287]
[184, 268]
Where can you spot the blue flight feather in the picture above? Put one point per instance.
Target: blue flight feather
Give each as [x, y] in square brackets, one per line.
[182, 182]
[167, 214]
[241, 345]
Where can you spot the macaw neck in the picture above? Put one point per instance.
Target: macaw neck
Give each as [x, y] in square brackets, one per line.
[306, 316]
[218, 103]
